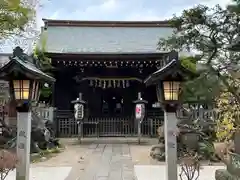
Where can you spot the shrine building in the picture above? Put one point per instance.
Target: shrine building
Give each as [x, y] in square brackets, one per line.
[107, 61]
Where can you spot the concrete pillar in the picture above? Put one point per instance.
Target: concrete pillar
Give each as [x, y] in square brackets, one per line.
[23, 145]
[170, 131]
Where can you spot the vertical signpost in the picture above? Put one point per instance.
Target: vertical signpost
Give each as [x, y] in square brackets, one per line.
[79, 104]
[170, 126]
[139, 113]
[23, 143]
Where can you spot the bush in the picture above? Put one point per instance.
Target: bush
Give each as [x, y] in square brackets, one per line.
[229, 117]
[8, 162]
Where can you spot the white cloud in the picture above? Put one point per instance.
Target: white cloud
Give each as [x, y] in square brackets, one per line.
[90, 13]
[106, 7]
[109, 5]
[56, 14]
[143, 16]
[154, 16]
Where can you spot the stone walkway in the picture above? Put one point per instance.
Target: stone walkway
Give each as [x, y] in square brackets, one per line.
[157, 172]
[108, 159]
[111, 162]
[44, 173]
[105, 162]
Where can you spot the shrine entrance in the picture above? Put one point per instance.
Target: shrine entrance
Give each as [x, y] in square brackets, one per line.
[110, 106]
[112, 102]
[109, 84]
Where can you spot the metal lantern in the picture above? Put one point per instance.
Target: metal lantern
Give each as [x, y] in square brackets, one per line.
[27, 90]
[24, 77]
[171, 90]
[168, 82]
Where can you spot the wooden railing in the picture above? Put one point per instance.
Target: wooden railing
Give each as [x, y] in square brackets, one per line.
[105, 126]
[123, 126]
[198, 113]
[45, 112]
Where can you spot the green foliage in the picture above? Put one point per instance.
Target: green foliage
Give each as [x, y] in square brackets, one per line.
[229, 119]
[189, 63]
[200, 88]
[207, 31]
[235, 7]
[46, 92]
[206, 149]
[43, 62]
[13, 17]
[39, 53]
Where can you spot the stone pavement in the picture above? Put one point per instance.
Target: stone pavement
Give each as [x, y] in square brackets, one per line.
[44, 173]
[106, 162]
[158, 172]
[105, 159]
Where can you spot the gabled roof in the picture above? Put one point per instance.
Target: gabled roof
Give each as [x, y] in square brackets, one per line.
[23, 65]
[173, 67]
[4, 58]
[75, 23]
[67, 36]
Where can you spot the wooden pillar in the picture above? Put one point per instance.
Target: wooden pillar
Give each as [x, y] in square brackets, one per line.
[12, 113]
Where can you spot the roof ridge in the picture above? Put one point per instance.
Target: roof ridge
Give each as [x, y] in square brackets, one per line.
[101, 23]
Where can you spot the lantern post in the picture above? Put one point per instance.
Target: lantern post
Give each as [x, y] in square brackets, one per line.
[25, 81]
[79, 108]
[168, 81]
[139, 113]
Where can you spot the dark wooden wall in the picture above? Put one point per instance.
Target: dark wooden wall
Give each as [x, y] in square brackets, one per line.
[67, 89]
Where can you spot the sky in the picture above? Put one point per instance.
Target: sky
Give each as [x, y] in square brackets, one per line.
[118, 10]
[125, 10]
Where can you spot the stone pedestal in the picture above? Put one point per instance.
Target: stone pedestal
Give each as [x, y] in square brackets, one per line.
[23, 145]
[170, 134]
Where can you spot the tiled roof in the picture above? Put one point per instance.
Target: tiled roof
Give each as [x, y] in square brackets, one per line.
[4, 58]
[21, 62]
[64, 39]
[87, 23]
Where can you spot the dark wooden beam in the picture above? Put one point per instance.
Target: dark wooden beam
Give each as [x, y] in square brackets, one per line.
[105, 56]
[75, 23]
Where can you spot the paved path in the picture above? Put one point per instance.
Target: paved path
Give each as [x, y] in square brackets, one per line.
[44, 173]
[105, 159]
[105, 162]
[158, 172]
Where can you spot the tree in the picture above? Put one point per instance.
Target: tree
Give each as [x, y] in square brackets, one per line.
[13, 17]
[200, 88]
[208, 31]
[39, 53]
[235, 7]
[44, 63]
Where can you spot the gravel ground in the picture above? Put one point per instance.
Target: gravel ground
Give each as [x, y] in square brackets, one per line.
[72, 154]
